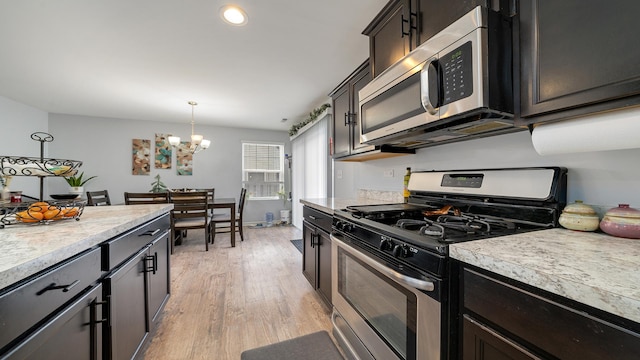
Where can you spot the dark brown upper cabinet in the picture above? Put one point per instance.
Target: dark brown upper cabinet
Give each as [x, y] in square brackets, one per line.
[346, 132]
[435, 15]
[577, 57]
[390, 35]
[402, 25]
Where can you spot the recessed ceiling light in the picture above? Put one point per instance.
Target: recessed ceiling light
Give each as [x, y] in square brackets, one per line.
[233, 15]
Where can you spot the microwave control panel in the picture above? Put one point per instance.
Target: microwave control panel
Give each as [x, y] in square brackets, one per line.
[457, 74]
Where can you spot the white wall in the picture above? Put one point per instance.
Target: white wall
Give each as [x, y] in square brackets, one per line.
[104, 147]
[604, 178]
[19, 121]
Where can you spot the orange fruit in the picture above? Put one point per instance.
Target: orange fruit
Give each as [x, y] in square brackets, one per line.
[29, 216]
[53, 214]
[39, 206]
[71, 212]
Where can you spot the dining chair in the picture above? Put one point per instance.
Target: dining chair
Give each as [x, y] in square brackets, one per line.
[131, 198]
[98, 198]
[190, 211]
[224, 220]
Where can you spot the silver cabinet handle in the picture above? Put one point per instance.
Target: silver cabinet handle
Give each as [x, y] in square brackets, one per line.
[425, 285]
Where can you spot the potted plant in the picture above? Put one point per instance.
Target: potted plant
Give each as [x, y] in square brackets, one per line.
[158, 186]
[76, 183]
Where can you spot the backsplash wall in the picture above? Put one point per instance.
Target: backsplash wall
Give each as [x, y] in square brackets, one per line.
[603, 179]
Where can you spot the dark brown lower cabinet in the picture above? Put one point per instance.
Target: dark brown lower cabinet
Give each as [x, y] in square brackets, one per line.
[504, 319]
[75, 333]
[482, 343]
[125, 289]
[316, 251]
[136, 292]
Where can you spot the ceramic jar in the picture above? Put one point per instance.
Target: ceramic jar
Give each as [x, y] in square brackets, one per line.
[622, 221]
[579, 216]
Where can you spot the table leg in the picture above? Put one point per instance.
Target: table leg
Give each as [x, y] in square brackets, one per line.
[233, 225]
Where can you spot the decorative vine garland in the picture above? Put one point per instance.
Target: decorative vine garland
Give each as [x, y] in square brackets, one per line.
[313, 115]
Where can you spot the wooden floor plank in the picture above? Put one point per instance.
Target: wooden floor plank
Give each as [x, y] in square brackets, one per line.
[228, 300]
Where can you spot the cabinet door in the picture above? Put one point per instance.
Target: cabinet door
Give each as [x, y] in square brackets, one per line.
[73, 333]
[435, 15]
[324, 266]
[158, 275]
[564, 331]
[341, 111]
[578, 56]
[390, 38]
[359, 81]
[127, 307]
[309, 254]
[481, 342]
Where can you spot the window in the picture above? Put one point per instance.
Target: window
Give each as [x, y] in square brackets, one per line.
[263, 170]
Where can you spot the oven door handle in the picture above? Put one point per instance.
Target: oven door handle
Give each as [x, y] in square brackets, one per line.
[425, 285]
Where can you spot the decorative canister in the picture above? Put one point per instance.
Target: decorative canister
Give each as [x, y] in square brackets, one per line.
[622, 221]
[579, 216]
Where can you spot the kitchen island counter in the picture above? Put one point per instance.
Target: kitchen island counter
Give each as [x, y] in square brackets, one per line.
[591, 268]
[26, 249]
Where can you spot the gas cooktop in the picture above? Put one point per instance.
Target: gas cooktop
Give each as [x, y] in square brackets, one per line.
[448, 207]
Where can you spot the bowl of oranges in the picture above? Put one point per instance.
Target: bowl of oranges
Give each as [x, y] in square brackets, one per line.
[42, 212]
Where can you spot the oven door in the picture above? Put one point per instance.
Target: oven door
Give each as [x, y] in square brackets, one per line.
[385, 310]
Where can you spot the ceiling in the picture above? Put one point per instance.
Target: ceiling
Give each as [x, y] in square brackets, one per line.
[145, 59]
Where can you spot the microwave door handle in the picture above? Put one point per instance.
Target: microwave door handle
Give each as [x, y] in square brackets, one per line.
[429, 87]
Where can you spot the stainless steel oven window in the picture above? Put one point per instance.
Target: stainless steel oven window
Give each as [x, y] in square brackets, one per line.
[400, 102]
[387, 307]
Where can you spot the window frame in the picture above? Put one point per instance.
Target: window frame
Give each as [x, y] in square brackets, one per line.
[246, 183]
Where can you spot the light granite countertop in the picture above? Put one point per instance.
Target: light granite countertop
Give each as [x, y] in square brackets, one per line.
[592, 268]
[26, 249]
[328, 205]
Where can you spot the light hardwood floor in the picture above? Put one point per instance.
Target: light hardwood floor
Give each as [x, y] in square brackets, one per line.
[228, 300]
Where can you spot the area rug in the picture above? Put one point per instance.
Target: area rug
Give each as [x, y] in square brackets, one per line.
[298, 244]
[315, 346]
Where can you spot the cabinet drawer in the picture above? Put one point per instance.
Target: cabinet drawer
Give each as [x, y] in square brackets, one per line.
[26, 305]
[73, 334]
[119, 249]
[318, 218]
[556, 329]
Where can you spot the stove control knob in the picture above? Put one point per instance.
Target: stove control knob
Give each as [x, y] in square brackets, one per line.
[401, 251]
[343, 226]
[386, 244]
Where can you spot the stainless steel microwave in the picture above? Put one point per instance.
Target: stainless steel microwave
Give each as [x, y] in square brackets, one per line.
[456, 85]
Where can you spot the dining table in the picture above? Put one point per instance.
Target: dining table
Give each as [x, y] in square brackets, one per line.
[227, 203]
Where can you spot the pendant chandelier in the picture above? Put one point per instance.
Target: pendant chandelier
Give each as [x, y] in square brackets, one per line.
[198, 142]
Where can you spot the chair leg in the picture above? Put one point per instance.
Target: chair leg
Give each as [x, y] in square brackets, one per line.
[207, 235]
[173, 239]
[240, 230]
[213, 232]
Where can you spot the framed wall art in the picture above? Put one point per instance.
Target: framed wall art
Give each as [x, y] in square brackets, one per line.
[163, 151]
[184, 159]
[140, 151]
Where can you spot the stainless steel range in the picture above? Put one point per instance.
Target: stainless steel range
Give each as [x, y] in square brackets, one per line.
[391, 275]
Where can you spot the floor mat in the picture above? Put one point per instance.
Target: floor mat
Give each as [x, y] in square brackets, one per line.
[298, 244]
[316, 346]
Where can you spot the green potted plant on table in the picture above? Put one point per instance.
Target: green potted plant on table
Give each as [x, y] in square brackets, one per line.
[158, 186]
[76, 183]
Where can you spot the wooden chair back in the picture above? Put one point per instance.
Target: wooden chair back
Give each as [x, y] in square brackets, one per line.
[132, 198]
[243, 196]
[98, 198]
[190, 211]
